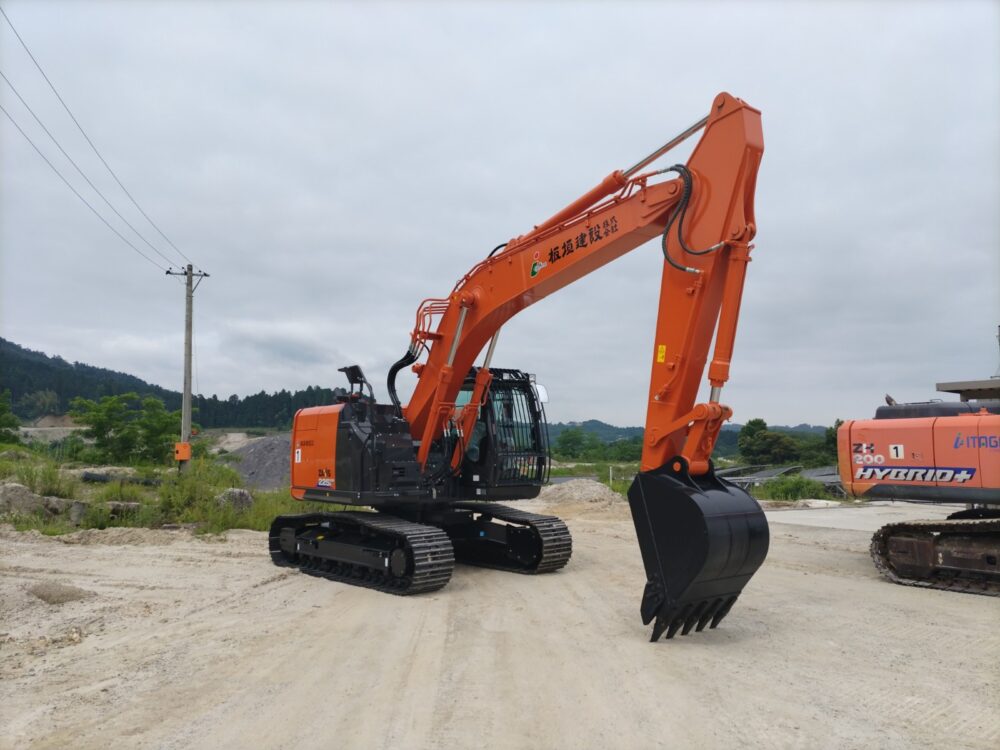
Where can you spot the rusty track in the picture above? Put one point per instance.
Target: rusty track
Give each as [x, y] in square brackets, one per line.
[971, 582]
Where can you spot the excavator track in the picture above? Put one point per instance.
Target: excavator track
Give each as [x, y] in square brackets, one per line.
[371, 550]
[550, 549]
[950, 555]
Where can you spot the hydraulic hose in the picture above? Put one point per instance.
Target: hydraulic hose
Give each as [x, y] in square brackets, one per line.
[405, 361]
[681, 212]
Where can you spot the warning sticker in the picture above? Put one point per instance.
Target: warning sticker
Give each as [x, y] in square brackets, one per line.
[661, 353]
[298, 455]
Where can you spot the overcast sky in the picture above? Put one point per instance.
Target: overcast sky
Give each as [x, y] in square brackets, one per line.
[333, 164]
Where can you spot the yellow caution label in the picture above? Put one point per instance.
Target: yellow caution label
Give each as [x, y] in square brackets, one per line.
[661, 353]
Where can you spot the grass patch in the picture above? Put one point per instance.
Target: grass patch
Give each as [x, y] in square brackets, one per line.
[121, 492]
[790, 489]
[42, 522]
[46, 479]
[8, 469]
[195, 487]
[99, 516]
[213, 518]
[188, 497]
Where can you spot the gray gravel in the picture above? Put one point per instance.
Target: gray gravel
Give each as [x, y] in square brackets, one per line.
[265, 463]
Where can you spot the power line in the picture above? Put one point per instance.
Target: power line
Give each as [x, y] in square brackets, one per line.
[82, 174]
[84, 133]
[76, 192]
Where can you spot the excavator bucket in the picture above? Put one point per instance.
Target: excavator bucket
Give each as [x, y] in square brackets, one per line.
[701, 539]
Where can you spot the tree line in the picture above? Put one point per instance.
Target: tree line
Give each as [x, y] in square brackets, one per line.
[40, 385]
[755, 443]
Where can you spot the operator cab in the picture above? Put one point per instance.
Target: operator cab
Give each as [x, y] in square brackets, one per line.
[507, 454]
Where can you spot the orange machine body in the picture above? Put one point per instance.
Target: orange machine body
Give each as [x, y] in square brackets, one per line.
[947, 459]
[314, 450]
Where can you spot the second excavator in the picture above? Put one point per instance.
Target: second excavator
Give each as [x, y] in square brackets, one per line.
[471, 435]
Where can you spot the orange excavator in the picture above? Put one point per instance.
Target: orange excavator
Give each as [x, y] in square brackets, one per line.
[471, 435]
[931, 452]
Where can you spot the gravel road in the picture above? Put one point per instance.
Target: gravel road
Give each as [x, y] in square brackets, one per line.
[157, 639]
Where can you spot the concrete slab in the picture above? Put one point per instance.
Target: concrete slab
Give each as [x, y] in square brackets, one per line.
[868, 517]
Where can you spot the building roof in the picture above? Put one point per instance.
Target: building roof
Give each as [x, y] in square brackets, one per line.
[972, 389]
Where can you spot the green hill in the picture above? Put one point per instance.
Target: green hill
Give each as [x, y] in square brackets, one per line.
[42, 384]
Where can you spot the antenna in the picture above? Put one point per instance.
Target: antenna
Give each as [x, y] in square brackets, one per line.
[997, 375]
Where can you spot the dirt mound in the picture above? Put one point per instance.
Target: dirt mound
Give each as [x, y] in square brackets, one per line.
[265, 463]
[58, 593]
[581, 491]
[122, 535]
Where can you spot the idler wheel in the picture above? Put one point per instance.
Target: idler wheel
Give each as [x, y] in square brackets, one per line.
[397, 562]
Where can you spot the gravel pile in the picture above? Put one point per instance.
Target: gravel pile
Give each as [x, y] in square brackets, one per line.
[264, 463]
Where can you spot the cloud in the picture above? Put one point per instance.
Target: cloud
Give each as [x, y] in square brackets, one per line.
[331, 165]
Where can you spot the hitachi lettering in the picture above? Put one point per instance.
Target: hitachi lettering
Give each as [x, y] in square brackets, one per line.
[958, 475]
[977, 441]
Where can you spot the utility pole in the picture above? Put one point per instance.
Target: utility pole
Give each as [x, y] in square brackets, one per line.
[182, 450]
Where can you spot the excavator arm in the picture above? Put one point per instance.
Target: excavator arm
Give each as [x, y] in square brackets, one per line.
[708, 208]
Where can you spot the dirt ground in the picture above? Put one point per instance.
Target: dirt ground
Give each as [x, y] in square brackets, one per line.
[156, 639]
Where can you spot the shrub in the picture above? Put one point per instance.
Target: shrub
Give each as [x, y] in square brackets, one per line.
[70, 448]
[7, 468]
[99, 516]
[9, 424]
[127, 428]
[195, 488]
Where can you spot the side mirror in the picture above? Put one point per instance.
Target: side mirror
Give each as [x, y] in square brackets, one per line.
[542, 393]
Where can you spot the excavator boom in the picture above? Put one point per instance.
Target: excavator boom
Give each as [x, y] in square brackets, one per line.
[620, 214]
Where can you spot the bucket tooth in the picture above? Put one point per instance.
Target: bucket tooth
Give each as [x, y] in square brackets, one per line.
[693, 618]
[652, 600]
[723, 611]
[708, 615]
[659, 626]
[701, 540]
[674, 627]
